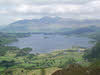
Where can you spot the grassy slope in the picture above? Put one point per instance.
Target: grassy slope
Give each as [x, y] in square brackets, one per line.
[60, 57]
[48, 71]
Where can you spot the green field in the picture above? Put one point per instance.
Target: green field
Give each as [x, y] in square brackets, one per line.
[31, 64]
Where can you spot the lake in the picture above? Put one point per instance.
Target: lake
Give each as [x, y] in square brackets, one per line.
[41, 43]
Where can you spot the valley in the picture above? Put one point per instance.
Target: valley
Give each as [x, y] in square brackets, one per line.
[14, 60]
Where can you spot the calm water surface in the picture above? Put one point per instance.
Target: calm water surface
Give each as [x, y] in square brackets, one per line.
[47, 43]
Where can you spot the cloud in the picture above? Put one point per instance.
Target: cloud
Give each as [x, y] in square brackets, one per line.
[3, 12]
[64, 8]
[90, 8]
[49, 9]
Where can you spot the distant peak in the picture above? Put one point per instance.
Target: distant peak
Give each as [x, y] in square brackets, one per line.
[51, 17]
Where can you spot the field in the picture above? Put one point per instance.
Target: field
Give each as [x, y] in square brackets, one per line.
[48, 63]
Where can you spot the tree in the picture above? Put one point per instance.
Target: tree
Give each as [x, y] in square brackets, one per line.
[27, 49]
[24, 52]
[93, 53]
[7, 64]
[70, 61]
[30, 56]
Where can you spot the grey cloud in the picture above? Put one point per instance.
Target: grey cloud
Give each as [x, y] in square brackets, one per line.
[65, 8]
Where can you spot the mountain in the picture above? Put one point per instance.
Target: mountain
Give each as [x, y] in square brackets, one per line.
[49, 24]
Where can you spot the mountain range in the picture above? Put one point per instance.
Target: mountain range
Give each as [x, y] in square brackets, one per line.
[51, 24]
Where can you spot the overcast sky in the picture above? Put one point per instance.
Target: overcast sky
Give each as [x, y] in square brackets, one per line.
[12, 10]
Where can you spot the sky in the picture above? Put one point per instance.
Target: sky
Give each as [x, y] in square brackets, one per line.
[13, 10]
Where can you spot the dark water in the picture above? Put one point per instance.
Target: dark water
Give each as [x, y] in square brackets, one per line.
[47, 43]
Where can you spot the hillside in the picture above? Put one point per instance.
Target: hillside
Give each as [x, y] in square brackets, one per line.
[83, 31]
[18, 61]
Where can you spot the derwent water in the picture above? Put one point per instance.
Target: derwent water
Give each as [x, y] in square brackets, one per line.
[47, 43]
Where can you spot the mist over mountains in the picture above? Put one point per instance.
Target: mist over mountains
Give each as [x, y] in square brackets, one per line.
[51, 24]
